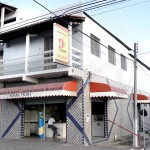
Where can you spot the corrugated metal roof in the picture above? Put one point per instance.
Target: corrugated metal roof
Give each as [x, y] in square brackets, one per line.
[35, 25]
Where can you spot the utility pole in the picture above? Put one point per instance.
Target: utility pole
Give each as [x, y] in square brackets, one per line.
[135, 142]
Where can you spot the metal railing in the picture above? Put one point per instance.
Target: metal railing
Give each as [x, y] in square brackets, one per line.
[36, 62]
[76, 58]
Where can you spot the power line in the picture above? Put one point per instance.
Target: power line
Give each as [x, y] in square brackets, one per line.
[102, 52]
[65, 21]
[144, 53]
[90, 3]
[73, 7]
[138, 60]
[106, 4]
[114, 25]
[77, 28]
[70, 25]
[144, 71]
[121, 7]
[112, 19]
[7, 1]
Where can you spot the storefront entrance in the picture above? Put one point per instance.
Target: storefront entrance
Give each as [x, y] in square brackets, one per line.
[53, 106]
[97, 119]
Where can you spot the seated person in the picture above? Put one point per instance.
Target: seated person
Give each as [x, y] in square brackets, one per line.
[51, 122]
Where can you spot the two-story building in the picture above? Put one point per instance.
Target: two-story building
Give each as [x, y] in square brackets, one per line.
[69, 66]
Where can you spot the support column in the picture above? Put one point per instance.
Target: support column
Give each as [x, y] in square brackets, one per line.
[74, 109]
[2, 16]
[79, 114]
[135, 139]
[27, 51]
[70, 43]
[87, 111]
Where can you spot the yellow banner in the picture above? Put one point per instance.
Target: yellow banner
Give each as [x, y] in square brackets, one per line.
[60, 44]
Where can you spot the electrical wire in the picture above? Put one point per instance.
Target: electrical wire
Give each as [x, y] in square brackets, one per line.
[55, 11]
[144, 53]
[102, 52]
[90, 3]
[144, 70]
[75, 28]
[114, 25]
[87, 10]
[106, 4]
[52, 12]
[118, 60]
[7, 1]
[121, 7]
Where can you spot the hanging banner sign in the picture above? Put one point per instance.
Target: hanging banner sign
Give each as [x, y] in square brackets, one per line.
[60, 44]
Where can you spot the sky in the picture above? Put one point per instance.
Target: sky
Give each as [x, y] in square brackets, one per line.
[129, 21]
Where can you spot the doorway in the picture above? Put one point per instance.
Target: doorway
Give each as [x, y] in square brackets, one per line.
[31, 111]
[97, 119]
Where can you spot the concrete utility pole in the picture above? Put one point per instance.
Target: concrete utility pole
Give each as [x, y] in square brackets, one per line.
[135, 141]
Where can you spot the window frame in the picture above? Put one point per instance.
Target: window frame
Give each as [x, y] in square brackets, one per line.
[111, 55]
[95, 49]
[123, 62]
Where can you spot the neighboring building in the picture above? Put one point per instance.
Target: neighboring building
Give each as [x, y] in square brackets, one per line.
[56, 65]
[8, 14]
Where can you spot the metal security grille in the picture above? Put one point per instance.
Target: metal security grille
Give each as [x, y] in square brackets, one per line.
[139, 116]
[105, 119]
[22, 120]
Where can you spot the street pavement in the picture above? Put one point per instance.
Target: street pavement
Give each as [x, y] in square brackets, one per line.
[50, 144]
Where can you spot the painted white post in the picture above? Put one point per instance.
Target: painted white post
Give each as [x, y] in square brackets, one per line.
[17, 15]
[2, 16]
[44, 121]
[70, 43]
[143, 127]
[135, 98]
[27, 51]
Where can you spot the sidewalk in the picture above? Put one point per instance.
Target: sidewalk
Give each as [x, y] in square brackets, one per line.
[50, 144]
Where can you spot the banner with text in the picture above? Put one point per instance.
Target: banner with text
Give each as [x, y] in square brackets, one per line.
[60, 44]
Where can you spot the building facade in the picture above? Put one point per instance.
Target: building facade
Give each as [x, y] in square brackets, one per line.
[69, 66]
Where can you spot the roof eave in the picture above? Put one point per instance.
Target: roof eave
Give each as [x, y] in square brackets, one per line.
[38, 27]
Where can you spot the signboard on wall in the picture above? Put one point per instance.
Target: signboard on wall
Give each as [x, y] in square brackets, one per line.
[60, 44]
[67, 88]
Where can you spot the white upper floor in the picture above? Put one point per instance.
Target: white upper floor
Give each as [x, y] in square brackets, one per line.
[27, 49]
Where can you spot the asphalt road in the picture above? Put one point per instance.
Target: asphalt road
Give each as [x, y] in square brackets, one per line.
[50, 144]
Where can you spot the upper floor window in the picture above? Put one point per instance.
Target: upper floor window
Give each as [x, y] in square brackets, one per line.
[95, 46]
[123, 62]
[111, 55]
[48, 42]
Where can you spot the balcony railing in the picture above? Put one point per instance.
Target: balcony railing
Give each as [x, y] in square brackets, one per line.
[37, 62]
